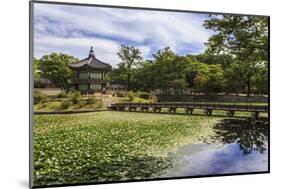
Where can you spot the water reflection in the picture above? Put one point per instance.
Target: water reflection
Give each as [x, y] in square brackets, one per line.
[238, 146]
[249, 135]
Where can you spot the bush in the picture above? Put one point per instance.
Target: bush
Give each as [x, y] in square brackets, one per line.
[80, 104]
[141, 100]
[75, 97]
[153, 98]
[66, 104]
[62, 95]
[144, 95]
[98, 104]
[131, 95]
[119, 94]
[137, 96]
[91, 100]
[39, 97]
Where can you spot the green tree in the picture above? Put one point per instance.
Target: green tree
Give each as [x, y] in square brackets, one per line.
[169, 70]
[245, 38]
[55, 68]
[145, 77]
[118, 75]
[260, 80]
[215, 80]
[234, 78]
[35, 69]
[205, 78]
[209, 58]
[179, 85]
[130, 57]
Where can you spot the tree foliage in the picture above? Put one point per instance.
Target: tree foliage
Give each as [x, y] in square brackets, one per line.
[130, 56]
[171, 73]
[245, 38]
[35, 69]
[55, 68]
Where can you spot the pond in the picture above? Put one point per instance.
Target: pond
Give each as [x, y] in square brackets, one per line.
[237, 146]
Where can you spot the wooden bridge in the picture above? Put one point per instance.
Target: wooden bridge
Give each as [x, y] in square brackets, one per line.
[208, 108]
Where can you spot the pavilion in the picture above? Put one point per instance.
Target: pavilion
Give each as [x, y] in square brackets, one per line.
[91, 74]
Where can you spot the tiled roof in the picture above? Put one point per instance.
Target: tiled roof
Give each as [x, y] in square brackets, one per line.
[92, 62]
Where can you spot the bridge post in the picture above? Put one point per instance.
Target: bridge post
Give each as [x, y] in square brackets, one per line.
[130, 108]
[172, 110]
[189, 110]
[120, 108]
[230, 113]
[208, 112]
[157, 109]
[255, 115]
[144, 109]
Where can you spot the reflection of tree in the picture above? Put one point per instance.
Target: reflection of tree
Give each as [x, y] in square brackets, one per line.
[248, 135]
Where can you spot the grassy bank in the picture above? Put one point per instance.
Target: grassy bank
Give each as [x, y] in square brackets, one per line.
[110, 146]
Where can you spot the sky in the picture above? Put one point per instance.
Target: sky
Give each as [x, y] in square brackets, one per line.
[74, 29]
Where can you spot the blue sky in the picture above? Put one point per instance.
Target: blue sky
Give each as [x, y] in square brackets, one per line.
[73, 29]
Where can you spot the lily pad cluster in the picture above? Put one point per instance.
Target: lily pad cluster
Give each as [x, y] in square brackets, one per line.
[110, 146]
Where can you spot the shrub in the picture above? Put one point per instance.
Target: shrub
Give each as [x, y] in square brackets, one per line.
[98, 104]
[131, 95]
[66, 104]
[39, 97]
[141, 100]
[62, 95]
[91, 100]
[144, 95]
[75, 97]
[136, 96]
[119, 94]
[153, 98]
[80, 104]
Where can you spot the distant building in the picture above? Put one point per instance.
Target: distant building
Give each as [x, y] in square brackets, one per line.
[91, 74]
[118, 87]
[43, 83]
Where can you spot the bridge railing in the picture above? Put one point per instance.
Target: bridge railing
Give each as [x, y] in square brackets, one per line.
[187, 105]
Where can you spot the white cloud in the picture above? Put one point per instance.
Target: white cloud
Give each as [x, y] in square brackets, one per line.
[105, 50]
[75, 28]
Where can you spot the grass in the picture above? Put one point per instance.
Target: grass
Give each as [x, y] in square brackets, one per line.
[110, 146]
[56, 105]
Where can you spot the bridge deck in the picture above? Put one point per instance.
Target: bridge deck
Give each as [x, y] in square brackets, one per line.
[189, 107]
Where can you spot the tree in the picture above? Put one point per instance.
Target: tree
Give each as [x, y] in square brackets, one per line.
[206, 78]
[179, 85]
[35, 69]
[145, 77]
[169, 70]
[209, 58]
[200, 81]
[245, 38]
[234, 78]
[215, 80]
[129, 56]
[118, 75]
[260, 80]
[55, 68]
